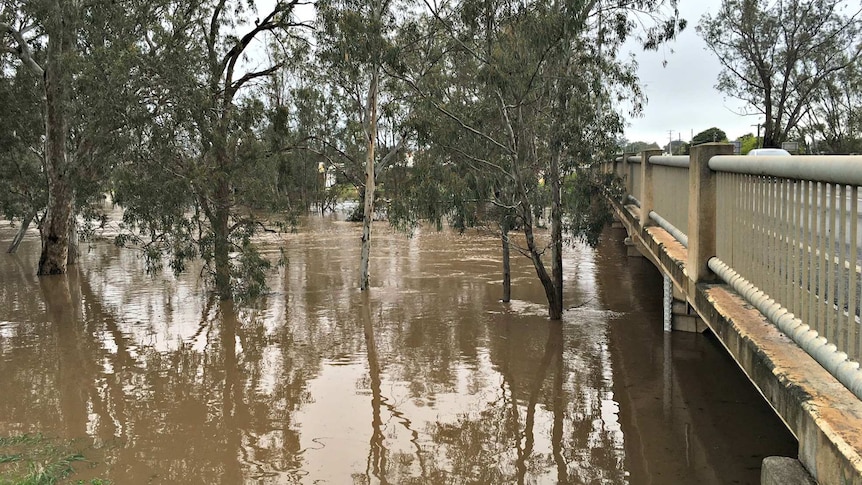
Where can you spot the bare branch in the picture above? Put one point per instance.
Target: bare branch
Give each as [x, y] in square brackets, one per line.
[23, 51]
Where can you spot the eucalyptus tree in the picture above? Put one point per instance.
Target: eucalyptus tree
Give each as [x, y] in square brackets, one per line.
[79, 53]
[535, 82]
[834, 118]
[355, 44]
[22, 197]
[776, 56]
[200, 166]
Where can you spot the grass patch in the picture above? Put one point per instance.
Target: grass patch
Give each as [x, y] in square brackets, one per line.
[32, 459]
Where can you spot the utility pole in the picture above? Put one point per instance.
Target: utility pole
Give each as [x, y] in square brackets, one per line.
[670, 142]
[758, 134]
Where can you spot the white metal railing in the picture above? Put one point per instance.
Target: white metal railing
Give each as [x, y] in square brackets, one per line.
[635, 175]
[785, 234]
[670, 189]
[796, 239]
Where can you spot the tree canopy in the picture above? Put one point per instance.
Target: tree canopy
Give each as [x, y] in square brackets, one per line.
[709, 135]
[210, 121]
[777, 56]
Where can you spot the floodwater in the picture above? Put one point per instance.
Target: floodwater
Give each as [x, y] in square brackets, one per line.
[426, 378]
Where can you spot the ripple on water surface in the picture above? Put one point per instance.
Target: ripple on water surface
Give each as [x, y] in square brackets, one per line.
[426, 378]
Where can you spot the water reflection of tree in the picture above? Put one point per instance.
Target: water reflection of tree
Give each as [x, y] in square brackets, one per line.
[208, 418]
[220, 412]
[540, 396]
[379, 465]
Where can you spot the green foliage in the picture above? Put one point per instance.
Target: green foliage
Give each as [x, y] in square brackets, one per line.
[749, 142]
[777, 56]
[99, 107]
[638, 146]
[206, 158]
[835, 117]
[23, 191]
[709, 135]
[585, 197]
[36, 460]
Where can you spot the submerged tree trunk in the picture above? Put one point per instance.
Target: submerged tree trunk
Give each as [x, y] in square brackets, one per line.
[221, 242]
[19, 236]
[555, 301]
[552, 292]
[55, 226]
[73, 252]
[556, 231]
[371, 144]
[507, 269]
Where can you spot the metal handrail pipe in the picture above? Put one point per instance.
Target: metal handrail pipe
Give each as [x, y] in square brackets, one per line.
[670, 228]
[618, 159]
[838, 169]
[634, 200]
[837, 363]
[670, 160]
[635, 159]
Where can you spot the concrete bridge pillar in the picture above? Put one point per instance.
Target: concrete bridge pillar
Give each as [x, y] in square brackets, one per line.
[626, 171]
[701, 212]
[679, 316]
[685, 319]
[647, 195]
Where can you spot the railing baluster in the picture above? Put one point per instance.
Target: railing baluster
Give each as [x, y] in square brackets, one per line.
[852, 324]
[830, 275]
[796, 260]
[822, 263]
[807, 245]
[789, 248]
[841, 275]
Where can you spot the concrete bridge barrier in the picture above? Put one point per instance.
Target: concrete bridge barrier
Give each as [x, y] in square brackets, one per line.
[765, 253]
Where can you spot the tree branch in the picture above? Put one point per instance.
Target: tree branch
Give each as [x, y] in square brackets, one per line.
[23, 51]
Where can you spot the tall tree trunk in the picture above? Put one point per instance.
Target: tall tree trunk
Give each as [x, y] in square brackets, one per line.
[507, 269]
[556, 229]
[371, 144]
[555, 301]
[55, 226]
[73, 252]
[221, 243]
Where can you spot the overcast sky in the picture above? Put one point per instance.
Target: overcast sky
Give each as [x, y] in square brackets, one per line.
[681, 95]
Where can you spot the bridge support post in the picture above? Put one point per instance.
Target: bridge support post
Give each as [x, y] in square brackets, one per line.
[685, 319]
[701, 212]
[632, 249]
[626, 175]
[647, 195]
[678, 314]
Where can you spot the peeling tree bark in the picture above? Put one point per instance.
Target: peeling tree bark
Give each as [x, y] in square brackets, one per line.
[74, 251]
[58, 217]
[553, 178]
[221, 242]
[371, 144]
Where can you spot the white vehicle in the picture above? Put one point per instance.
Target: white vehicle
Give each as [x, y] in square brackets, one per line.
[768, 152]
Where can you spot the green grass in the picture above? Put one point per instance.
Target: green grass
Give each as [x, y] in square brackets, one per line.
[32, 459]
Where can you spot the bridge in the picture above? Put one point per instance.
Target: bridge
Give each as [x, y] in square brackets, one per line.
[765, 253]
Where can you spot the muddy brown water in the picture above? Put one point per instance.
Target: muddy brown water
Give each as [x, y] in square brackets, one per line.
[427, 378]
